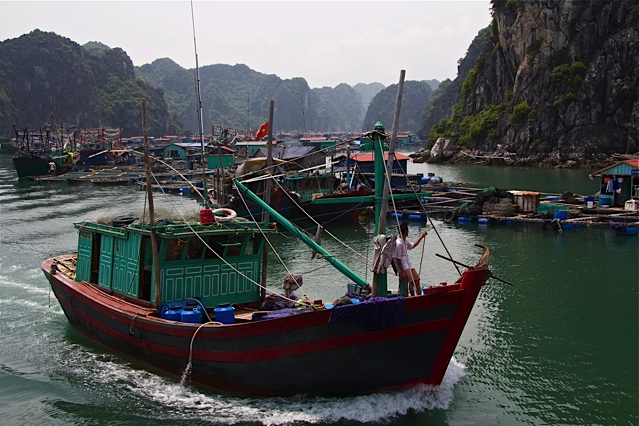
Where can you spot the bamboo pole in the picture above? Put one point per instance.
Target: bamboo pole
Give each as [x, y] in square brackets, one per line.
[149, 194]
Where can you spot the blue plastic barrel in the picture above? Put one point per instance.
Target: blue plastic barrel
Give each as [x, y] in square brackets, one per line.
[482, 220]
[225, 314]
[561, 214]
[415, 216]
[606, 200]
[192, 315]
[464, 219]
[171, 312]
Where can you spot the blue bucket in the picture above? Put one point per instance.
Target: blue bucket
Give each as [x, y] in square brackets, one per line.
[225, 314]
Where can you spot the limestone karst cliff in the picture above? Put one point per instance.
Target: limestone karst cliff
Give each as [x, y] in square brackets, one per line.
[557, 81]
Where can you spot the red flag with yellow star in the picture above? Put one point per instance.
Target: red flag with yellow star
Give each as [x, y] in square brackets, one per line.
[263, 131]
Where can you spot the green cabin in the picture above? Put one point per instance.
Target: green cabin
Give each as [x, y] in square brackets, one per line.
[218, 263]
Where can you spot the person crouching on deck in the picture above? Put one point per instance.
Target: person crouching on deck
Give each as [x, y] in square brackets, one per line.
[404, 265]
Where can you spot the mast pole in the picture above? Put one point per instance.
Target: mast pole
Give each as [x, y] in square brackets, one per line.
[391, 153]
[269, 161]
[149, 195]
[200, 118]
[382, 173]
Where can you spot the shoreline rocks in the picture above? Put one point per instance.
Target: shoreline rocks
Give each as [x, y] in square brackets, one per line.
[445, 153]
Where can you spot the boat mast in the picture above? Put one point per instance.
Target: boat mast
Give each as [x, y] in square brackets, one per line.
[391, 154]
[269, 161]
[149, 195]
[200, 118]
[382, 173]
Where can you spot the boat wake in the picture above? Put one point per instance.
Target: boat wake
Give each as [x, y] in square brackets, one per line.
[186, 403]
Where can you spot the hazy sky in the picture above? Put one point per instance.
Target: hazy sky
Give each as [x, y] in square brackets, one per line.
[325, 42]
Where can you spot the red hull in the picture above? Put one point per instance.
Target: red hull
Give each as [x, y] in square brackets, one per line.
[306, 353]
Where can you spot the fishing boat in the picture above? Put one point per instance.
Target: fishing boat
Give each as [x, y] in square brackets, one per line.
[41, 153]
[304, 195]
[100, 146]
[191, 300]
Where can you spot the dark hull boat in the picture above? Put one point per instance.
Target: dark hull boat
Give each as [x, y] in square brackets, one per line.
[41, 153]
[313, 352]
[302, 196]
[31, 165]
[345, 207]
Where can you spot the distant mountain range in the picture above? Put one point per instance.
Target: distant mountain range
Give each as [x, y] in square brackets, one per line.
[94, 85]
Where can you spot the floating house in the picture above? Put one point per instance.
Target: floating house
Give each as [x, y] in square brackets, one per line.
[321, 143]
[407, 139]
[181, 150]
[619, 182]
[220, 157]
[248, 148]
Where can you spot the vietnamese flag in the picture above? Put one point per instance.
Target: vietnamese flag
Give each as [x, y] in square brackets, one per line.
[263, 131]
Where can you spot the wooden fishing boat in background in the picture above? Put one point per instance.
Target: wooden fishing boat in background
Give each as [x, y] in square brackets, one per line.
[307, 196]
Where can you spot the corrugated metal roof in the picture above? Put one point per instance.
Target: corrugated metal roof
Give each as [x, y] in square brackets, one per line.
[371, 157]
[622, 168]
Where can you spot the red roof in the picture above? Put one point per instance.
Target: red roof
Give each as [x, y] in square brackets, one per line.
[369, 156]
[634, 162]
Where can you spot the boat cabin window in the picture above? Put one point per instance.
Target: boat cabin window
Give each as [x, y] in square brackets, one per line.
[174, 249]
[252, 246]
[222, 246]
[195, 248]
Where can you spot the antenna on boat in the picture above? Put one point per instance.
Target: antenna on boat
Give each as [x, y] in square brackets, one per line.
[149, 195]
[200, 118]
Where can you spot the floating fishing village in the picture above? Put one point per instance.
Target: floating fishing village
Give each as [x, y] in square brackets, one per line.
[304, 161]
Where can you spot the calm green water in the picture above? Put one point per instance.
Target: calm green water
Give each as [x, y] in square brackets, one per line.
[557, 348]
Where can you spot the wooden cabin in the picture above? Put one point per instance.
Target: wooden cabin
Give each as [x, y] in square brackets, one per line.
[182, 150]
[322, 143]
[119, 259]
[220, 157]
[248, 148]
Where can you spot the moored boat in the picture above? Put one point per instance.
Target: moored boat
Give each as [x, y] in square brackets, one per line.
[39, 153]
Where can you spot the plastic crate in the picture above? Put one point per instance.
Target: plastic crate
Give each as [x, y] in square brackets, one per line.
[355, 289]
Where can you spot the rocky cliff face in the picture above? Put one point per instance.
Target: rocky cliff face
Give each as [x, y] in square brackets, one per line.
[44, 73]
[558, 81]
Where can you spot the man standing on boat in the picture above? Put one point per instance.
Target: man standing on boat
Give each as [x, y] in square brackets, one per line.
[405, 268]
